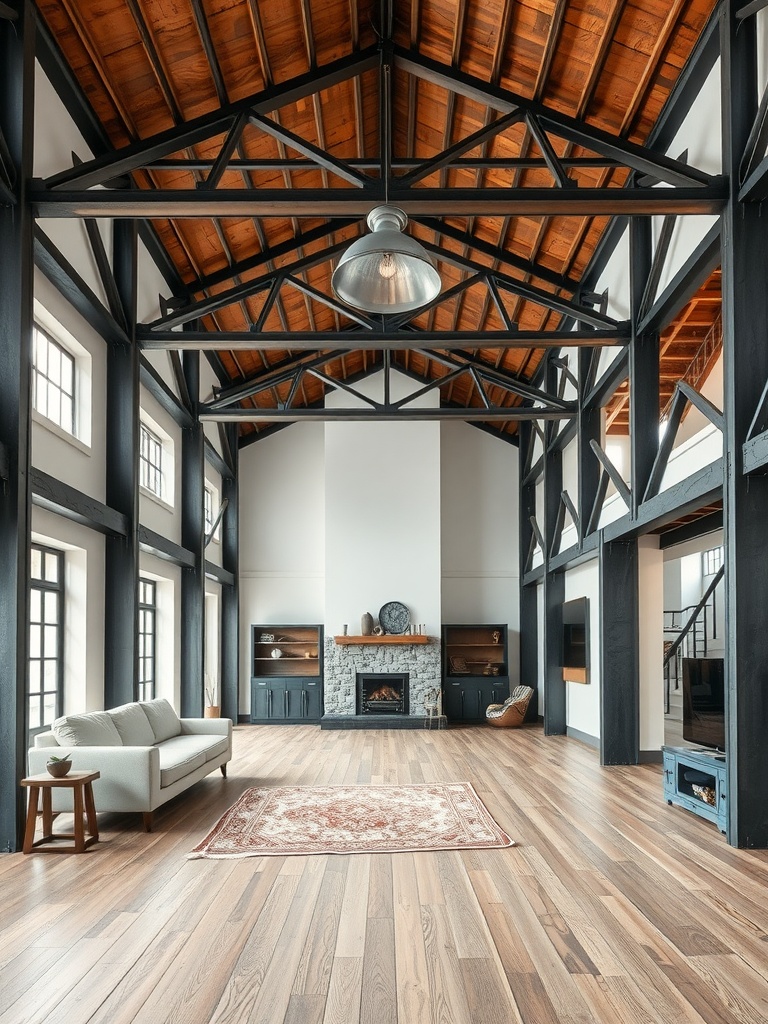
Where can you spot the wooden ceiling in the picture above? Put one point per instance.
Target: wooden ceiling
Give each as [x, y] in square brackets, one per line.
[147, 66]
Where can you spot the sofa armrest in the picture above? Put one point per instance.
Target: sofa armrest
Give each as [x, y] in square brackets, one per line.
[130, 776]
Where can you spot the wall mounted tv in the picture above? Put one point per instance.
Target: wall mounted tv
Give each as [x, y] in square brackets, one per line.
[704, 701]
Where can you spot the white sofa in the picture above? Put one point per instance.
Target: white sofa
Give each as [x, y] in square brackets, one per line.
[146, 754]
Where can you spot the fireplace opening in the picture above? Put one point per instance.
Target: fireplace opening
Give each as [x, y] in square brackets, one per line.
[382, 693]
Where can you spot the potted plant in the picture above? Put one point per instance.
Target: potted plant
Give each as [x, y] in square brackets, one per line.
[58, 767]
[212, 709]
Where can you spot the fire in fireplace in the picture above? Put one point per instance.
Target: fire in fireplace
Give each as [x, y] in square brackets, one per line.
[382, 693]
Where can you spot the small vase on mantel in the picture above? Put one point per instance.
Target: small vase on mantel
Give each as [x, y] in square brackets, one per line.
[366, 624]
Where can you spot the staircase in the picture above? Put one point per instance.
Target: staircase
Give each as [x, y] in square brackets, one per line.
[687, 634]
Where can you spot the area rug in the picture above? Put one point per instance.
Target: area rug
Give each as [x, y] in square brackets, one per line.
[353, 819]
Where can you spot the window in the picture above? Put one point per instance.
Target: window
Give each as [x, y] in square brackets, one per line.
[46, 636]
[211, 501]
[151, 461]
[53, 381]
[711, 561]
[147, 636]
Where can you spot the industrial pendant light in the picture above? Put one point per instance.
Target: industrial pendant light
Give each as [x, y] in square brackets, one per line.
[386, 271]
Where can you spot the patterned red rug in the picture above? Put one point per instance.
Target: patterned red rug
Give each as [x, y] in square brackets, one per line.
[353, 819]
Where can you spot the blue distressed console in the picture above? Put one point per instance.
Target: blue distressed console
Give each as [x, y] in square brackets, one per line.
[689, 767]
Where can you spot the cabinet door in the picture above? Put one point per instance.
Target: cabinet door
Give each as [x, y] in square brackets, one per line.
[495, 693]
[268, 699]
[453, 704]
[313, 707]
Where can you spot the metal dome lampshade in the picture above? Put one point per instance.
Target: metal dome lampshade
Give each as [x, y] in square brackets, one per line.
[386, 271]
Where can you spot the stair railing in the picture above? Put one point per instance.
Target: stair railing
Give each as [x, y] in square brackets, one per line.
[696, 628]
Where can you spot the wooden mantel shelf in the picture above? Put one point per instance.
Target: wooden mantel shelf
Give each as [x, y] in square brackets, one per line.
[386, 638]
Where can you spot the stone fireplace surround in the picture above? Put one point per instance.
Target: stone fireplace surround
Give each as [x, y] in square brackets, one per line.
[342, 663]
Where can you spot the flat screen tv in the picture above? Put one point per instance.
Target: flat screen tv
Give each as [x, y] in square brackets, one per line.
[704, 701]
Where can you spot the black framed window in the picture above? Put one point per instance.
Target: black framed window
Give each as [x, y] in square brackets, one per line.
[53, 381]
[147, 637]
[46, 637]
[208, 504]
[151, 461]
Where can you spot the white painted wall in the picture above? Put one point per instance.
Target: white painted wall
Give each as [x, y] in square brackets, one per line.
[479, 530]
[282, 534]
[158, 515]
[583, 700]
[651, 633]
[53, 450]
[382, 513]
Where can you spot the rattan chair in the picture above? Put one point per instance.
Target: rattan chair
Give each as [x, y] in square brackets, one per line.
[510, 714]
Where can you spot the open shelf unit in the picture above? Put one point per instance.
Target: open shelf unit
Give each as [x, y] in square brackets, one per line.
[475, 669]
[288, 687]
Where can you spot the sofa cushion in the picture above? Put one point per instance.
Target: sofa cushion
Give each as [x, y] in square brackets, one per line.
[133, 726]
[217, 748]
[181, 755]
[94, 729]
[162, 718]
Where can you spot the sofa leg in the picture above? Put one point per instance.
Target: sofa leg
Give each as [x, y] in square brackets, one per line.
[147, 816]
[224, 770]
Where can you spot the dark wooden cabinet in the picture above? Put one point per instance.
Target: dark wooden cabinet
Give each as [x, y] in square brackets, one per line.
[286, 687]
[475, 670]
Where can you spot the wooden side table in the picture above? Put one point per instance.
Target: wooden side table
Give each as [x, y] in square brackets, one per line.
[81, 784]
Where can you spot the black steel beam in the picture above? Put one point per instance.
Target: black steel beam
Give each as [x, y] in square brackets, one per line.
[690, 277]
[755, 454]
[570, 128]
[418, 202]
[69, 503]
[229, 683]
[704, 487]
[192, 657]
[555, 699]
[17, 70]
[352, 340]
[605, 388]
[215, 460]
[156, 386]
[384, 414]
[619, 653]
[644, 354]
[588, 430]
[216, 572]
[745, 499]
[699, 527]
[121, 623]
[173, 140]
[529, 626]
[74, 289]
[161, 547]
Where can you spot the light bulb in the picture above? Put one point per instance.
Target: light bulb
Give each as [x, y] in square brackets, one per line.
[388, 265]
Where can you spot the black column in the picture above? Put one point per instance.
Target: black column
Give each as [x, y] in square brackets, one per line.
[192, 662]
[745, 499]
[589, 430]
[619, 643]
[17, 70]
[529, 651]
[121, 624]
[554, 586]
[643, 366]
[230, 595]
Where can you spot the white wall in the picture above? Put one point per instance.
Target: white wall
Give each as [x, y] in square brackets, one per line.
[282, 533]
[479, 515]
[651, 633]
[382, 513]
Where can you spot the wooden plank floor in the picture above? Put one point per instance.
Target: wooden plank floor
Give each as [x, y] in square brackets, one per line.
[613, 908]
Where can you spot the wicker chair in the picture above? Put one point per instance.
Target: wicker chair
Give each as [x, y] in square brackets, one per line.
[510, 714]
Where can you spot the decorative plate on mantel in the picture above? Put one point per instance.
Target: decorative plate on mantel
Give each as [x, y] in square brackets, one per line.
[394, 617]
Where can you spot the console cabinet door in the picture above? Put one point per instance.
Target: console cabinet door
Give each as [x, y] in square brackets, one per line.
[268, 699]
[313, 692]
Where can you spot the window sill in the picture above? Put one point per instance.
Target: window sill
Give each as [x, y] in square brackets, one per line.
[54, 428]
[146, 493]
